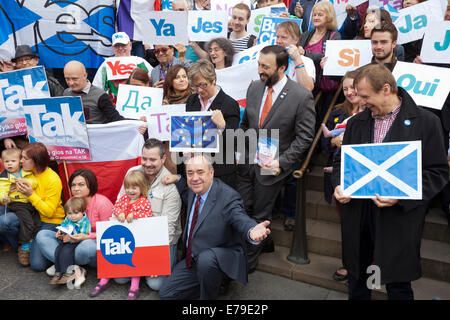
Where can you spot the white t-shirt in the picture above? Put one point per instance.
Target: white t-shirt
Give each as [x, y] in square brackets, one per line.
[309, 66]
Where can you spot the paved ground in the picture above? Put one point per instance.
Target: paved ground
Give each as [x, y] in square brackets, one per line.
[19, 283]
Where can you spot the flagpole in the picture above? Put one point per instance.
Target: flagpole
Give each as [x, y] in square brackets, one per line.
[67, 178]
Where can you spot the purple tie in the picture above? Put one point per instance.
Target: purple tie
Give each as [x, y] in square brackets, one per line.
[191, 231]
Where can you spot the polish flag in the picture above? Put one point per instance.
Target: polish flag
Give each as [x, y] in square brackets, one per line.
[136, 249]
[115, 147]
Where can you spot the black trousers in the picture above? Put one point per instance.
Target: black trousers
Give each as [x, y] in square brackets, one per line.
[358, 288]
[29, 220]
[64, 256]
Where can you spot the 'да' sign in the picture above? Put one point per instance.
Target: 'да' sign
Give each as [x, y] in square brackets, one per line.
[134, 102]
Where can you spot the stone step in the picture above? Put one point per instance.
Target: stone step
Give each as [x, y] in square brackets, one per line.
[321, 268]
[324, 238]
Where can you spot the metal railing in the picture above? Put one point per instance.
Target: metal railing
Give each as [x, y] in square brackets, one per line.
[299, 248]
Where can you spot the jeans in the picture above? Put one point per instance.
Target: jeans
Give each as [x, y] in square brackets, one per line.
[9, 227]
[85, 252]
[156, 282]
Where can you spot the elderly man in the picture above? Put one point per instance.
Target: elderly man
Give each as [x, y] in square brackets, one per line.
[214, 237]
[382, 231]
[121, 44]
[97, 105]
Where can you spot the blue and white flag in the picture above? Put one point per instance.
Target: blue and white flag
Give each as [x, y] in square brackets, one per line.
[392, 11]
[193, 132]
[392, 170]
[59, 31]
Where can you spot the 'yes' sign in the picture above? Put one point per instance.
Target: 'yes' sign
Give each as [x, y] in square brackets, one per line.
[427, 85]
[119, 67]
[205, 25]
[346, 55]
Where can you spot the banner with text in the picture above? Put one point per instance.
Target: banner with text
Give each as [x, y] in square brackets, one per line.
[257, 16]
[159, 120]
[14, 87]
[227, 5]
[59, 124]
[268, 34]
[118, 68]
[205, 25]
[431, 90]
[133, 102]
[346, 55]
[436, 42]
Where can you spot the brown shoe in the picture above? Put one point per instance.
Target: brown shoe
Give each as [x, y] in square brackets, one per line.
[67, 277]
[24, 257]
[56, 278]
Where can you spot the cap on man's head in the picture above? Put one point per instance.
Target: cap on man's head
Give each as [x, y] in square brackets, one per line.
[120, 37]
[22, 51]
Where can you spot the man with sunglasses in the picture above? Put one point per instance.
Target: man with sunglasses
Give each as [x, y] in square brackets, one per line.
[121, 45]
[166, 57]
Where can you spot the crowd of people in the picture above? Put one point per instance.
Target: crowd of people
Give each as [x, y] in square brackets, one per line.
[219, 212]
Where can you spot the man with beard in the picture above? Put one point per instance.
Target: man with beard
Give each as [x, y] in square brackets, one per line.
[384, 40]
[164, 199]
[285, 110]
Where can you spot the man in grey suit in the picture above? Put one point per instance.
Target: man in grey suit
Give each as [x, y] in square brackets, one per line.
[286, 110]
[214, 238]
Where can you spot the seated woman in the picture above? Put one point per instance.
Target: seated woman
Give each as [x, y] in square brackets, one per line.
[139, 77]
[220, 53]
[45, 198]
[176, 88]
[83, 183]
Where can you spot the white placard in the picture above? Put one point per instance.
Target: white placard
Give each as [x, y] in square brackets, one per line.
[346, 55]
[134, 102]
[412, 21]
[435, 45]
[120, 67]
[159, 120]
[161, 27]
[227, 5]
[396, 4]
[258, 14]
[249, 54]
[427, 85]
[205, 25]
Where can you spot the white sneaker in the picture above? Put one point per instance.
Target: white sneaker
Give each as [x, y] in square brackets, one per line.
[80, 277]
[51, 271]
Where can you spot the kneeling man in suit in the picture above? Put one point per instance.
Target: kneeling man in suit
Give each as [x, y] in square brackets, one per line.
[214, 239]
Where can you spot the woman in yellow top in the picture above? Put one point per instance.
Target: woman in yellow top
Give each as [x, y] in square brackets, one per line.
[46, 198]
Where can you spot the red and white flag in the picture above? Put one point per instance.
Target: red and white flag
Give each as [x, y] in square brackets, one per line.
[115, 147]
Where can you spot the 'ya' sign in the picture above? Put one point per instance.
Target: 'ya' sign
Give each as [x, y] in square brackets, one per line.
[268, 34]
[161, 27]
[59, 124]
[427, 85]
[412, 22]
[346, 55]
[205, 25]
[435, 46]
[134, 102]
[14, 87]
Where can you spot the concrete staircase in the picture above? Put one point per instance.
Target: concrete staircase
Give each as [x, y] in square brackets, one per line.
[324, 248]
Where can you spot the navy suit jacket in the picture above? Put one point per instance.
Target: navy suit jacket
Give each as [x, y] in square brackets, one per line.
[222, 226]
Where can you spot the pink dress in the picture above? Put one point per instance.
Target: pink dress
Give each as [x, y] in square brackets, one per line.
[99, 209]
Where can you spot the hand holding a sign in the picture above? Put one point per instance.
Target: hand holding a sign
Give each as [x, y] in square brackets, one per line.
[298, 10]
[340, 196]
[181, 51]
[384, 202]
[260, 231]
[218, 119]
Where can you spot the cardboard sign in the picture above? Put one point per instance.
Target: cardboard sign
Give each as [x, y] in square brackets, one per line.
[346, 55]
[14, 87]
[396, 4]
[246, 55]
[193, 132]
[140, 248]
[435, 45]
[161, 27]
[392, 170]
[227, 5]
[133, 102]
[268, 34]
[159, 120]
[258, 14]
[118, 68]
[412, 21]
[59, 124]
[205, 25]
[427, 85]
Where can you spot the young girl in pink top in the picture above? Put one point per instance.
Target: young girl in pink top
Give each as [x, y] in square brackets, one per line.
[133, 205]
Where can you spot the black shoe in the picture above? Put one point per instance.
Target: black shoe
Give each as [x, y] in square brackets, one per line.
[339, 277]
[268, 245]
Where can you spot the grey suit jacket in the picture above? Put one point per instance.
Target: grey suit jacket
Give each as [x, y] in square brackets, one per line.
[222, 226]
[292, 114]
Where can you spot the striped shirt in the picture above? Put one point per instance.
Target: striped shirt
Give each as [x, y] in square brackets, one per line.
[382, 125]
[240, 44]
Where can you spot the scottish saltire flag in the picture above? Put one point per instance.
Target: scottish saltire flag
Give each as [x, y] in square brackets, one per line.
[193, 132]
[59, 31]
[125, 22]
[392, 170]
[140, 248]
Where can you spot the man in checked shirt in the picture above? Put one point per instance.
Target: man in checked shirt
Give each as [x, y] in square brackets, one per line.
[380, 231]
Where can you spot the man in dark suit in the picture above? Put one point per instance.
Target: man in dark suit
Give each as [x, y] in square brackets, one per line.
[286, 110]
[214, 238]
[226, 115]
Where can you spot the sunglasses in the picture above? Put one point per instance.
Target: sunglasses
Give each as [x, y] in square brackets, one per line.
[161, 50]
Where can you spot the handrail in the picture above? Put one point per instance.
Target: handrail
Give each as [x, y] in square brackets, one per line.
[298, 174]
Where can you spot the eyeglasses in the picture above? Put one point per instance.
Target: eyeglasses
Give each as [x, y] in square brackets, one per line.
[23, 60]
[161, 50]
[200, 86]
[214, 50]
